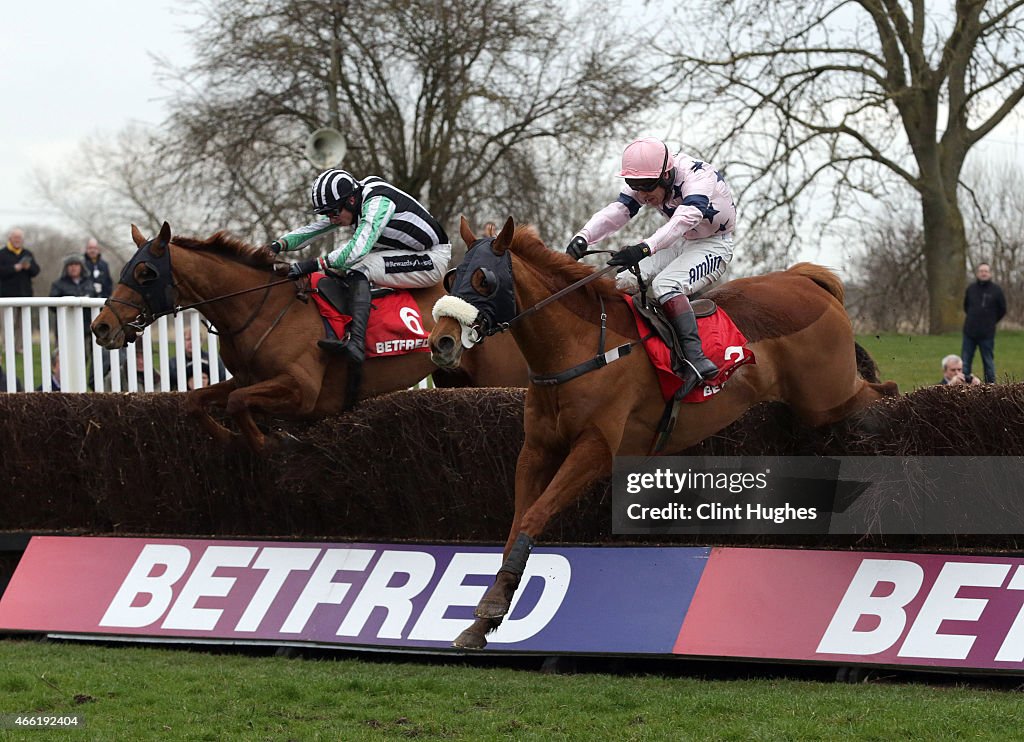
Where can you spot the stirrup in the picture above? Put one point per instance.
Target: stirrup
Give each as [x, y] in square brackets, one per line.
[710, 374]
[690, 380]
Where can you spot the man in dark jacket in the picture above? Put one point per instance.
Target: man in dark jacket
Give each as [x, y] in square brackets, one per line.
[984, 305]
[97, 269]
[17, 268]
[73, 281]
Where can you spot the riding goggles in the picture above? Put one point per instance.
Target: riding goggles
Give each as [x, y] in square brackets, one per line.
[643, 185]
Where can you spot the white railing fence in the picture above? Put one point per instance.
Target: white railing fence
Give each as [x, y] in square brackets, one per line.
[25, 324]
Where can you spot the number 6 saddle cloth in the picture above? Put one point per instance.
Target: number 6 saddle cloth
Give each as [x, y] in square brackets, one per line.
[395, 327]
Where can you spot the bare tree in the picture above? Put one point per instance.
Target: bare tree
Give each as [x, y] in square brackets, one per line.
[119, 180]
[891, 294]
[461, 104]
[858, 96]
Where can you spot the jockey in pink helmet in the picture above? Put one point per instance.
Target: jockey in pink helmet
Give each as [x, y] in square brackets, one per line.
[686, 254]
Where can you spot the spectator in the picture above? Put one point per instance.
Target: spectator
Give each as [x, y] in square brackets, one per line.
[97, 270]
[17, 268]
[3, 381]
[953, 372]
[73, 281]
[204, 357]
[984, 306]
[140, 372]
[190, 381]
[54, 373]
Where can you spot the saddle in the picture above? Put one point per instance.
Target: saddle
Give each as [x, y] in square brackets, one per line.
[652, 312]
[334, 290]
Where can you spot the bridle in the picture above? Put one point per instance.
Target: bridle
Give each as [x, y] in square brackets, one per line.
[501, 302]
[160, 293]
[493, 306]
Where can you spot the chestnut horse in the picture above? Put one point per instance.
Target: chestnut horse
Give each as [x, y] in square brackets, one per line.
[267, 335]
[794, 320]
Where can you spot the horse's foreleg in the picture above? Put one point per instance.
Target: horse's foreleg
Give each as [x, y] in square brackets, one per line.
[534, 469]
[198, 403]
[282, 394]
[589, 459]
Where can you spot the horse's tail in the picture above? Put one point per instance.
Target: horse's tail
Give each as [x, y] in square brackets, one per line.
[821, 276]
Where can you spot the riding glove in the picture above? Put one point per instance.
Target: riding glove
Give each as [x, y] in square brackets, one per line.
[275, 247]
[577, 247]
[630, 255]
[303, 268]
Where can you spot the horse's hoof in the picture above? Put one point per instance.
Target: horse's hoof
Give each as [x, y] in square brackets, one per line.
[470, 640]
[491, 608]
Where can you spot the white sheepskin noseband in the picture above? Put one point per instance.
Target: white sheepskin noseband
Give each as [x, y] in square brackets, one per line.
[461, 311]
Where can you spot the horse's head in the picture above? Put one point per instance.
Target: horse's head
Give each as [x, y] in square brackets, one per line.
[481, 296]
[144, 290]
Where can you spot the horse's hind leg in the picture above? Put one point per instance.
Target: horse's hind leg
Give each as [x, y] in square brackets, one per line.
[282, 394]
[864, 395]
[198, 403]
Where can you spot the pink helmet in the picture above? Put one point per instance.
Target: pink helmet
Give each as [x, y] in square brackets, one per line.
[646, 158]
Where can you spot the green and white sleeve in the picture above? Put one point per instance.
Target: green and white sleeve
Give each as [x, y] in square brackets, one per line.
[296, 239]
[376, 213]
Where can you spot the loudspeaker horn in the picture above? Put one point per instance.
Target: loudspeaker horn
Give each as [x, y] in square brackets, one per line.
[325, 148]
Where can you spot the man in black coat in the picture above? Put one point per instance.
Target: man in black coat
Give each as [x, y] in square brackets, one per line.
[18, 267]
[984, 306]
[73, 281]
[97, 269]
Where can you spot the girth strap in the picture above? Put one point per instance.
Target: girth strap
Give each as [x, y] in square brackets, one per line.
[601, 360]
[593, 364]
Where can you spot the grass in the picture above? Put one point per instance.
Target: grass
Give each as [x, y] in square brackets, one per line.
[130, 693]
[915, 361]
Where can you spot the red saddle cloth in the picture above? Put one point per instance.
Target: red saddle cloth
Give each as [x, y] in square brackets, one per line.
[723, 343]
[395, 326]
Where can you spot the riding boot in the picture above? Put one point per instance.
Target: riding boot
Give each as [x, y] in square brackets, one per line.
[680, 314]
[354, 343]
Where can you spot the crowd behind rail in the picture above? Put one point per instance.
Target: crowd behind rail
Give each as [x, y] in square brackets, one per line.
[46, 344]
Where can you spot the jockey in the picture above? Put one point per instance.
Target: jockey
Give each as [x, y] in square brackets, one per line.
[684, 256]
[396, 243]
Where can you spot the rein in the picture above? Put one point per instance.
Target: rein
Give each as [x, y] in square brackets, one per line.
[503, 326]
[147, 317]
[602, 358]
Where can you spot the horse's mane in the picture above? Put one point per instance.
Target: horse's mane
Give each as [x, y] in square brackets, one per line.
[222, 242]
[527, 244]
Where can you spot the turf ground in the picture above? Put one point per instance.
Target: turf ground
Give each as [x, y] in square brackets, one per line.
[133, 693]
[914, 361]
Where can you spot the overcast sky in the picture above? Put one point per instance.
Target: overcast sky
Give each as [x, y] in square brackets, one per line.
[70, 70]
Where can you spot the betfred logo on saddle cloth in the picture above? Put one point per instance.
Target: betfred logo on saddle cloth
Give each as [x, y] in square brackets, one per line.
[723, 343]
[395, 326]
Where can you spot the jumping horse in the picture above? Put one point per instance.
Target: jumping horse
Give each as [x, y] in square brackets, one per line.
[267, 334]
[794, 321]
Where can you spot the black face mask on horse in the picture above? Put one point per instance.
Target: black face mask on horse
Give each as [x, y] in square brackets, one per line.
[148, 273]
[484, 282]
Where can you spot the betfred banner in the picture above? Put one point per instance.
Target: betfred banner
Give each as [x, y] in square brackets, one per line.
[924, 610]
[860, 607]
[628, 600]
